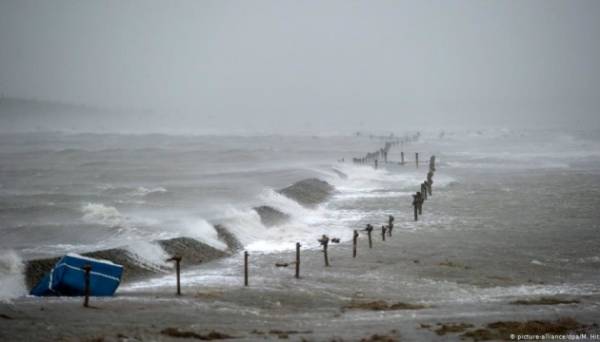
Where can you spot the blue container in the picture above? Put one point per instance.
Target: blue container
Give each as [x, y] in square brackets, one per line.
[67, 277]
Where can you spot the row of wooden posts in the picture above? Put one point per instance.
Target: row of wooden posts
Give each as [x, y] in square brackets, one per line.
[418, 200]
[325, 240]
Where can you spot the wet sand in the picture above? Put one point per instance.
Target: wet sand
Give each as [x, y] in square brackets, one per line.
[317, 307]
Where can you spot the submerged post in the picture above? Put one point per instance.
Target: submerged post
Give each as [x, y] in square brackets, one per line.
[245, 268]
[86, 283]
[429, 181]
[369, 230]
[415, 204]
[417, 159]
[354, 242]
[297, 260]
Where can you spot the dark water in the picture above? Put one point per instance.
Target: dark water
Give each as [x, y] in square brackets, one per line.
[513, 214]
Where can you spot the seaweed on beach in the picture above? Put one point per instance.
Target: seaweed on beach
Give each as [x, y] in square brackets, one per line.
[544, 301]
[381, 305]
[502, 330]
[447, 328]
[213, 335]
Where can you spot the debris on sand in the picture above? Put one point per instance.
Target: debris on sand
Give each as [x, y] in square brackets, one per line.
[545, 301]
[213, 335]
[502, 330]
[381, 305]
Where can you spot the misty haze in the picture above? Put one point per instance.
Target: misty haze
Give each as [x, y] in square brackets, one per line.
[302, 170]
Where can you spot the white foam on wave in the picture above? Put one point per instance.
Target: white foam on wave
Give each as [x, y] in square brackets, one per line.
[149, 254]
[12, 278]
[143, 191]
[365, 181]
[203, 231]
[99, 213]
[304, 226]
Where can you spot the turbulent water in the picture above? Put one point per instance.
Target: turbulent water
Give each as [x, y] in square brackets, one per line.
[530, 198]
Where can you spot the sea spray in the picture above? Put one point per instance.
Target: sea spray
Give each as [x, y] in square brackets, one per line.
[11, 276]
[99, 213]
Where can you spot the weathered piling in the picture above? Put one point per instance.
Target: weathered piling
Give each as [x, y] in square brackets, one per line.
[417, 159]
[424, 190]
[375, 164]
[297, 260]
[245, 268]
[369, 229]
[390, 225]
[402, 158]
[383, 229]
[177, 260]
[415, 204]
[354, 243]
[420, 202]
[86, 283]
[429, 182]
[324, 240]
[432, 164]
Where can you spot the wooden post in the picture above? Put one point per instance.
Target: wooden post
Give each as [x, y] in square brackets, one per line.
[324, 241]
[178, 269]
[415, 206]
[177, 260]
[375, 164]
[417, 159]
[297, 260]
[420, 202]
[370, 240]
[402, 158]
[424, 190]
[245, 268]
[383, 233]
[86, 284]
[354, 242]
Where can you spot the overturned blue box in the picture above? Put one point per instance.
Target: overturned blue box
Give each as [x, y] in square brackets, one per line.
[67, 277]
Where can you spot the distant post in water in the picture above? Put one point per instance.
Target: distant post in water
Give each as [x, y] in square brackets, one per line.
[390, 225]
[375, 164]
[177, 260]
[415, 204]
[417, 159]
[432, 164]
[245, 268]
[369, 229]
[424, 190]
[324, 240]
[86, 283]
[402, 158]
[420, 203]
[297, 260]
[429, 181]
[354, 243]
[383, 233]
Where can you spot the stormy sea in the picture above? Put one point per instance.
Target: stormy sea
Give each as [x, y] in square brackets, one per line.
[509, 233]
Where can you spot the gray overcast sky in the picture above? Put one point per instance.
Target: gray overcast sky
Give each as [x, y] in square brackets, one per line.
[312, 63]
